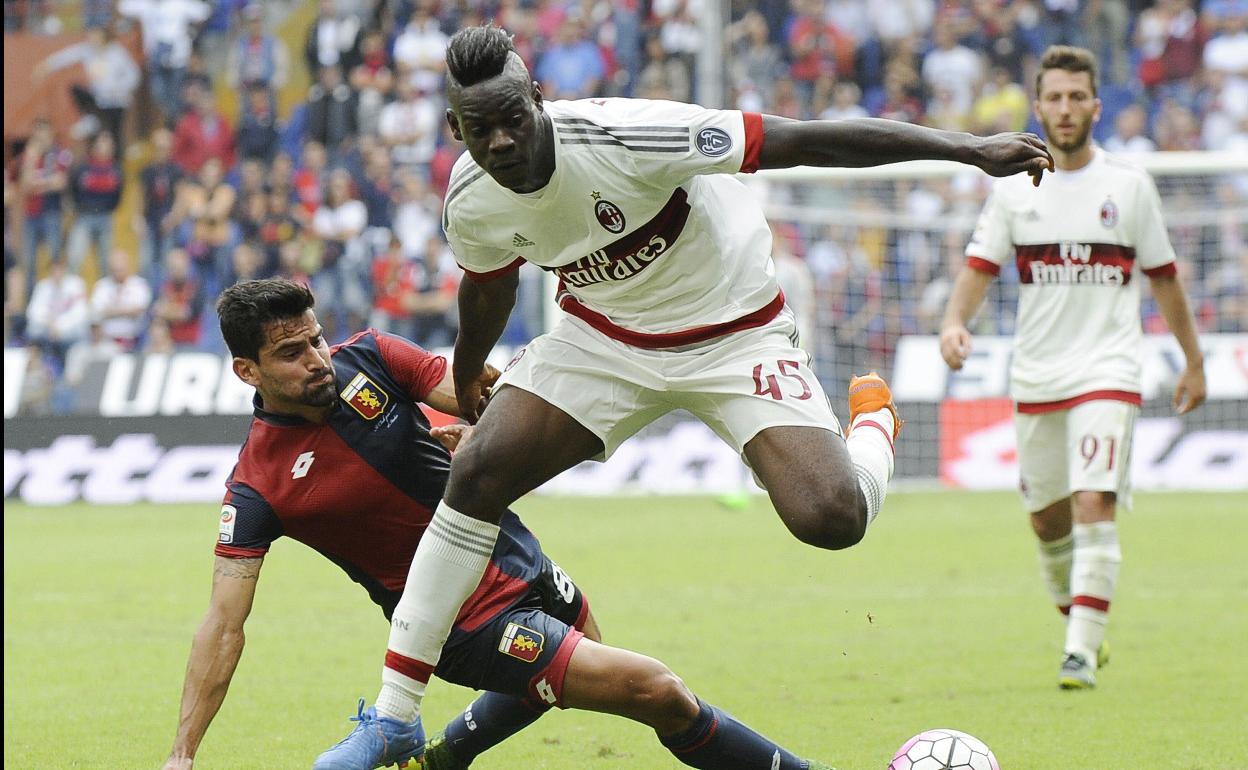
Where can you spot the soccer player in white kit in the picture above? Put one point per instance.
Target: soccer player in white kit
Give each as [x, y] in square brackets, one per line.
[671, 302]
[1075, 375]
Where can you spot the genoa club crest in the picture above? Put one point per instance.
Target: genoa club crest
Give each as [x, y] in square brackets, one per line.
[520, 642]
[365, 397]
[1109, 214]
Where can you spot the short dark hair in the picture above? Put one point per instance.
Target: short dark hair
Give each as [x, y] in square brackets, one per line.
[478, 53]
[247, 307]
[1070, 59]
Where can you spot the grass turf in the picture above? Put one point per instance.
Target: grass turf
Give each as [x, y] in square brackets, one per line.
[938, 619]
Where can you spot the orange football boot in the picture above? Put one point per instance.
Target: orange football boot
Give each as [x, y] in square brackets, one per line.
[870, 393]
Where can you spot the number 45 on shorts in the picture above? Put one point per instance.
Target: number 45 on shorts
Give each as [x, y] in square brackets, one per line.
[767, 381]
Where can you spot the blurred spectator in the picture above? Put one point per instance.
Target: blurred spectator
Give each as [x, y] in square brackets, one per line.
[278, 226]
[443, 163]
[954, 67]
[433, 305]
[1177, 128]
[1170, 41]
[679, 29]
[95, 187]
[332, 112]
[1128, 133]
[158, 187]
[247, 263]
[96, 347]
[159, 340]
[167, 34]
[180, 302]
[753, 58]
[420, 49]
[816, 47]
[661, 76]
[57, 316]
[846, 98]
[258, 135]
[898, 101]
[339, 223]
[415, 217]
[41, 181]
[119, 302]
[201, 217]
[897, 20]
[1226, 54]
[310, 180]
[393, 278]
[409, 127]
[373, 81]
[333, 40]
[202, 134]
[256, 58]
[377, 189]
[112, 78]
[572, 68]
[291, 261]
[1107, 22]
[1002, 105]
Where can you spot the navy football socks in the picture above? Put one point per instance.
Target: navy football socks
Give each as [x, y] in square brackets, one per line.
[716, 741]
[488, 721]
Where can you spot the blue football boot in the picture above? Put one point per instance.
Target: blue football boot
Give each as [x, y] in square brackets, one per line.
[375, 742]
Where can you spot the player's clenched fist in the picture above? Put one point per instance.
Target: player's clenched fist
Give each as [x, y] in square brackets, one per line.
[1010, 153]
[473, 393]
[955, 345]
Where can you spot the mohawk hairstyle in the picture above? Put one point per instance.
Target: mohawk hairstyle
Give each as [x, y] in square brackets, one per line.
[478, 53]
[247, 307]
[1070, 59]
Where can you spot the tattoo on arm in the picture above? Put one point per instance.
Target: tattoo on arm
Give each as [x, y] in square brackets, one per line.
[241, 569]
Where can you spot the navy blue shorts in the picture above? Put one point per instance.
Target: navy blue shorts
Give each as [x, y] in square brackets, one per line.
[524, 649]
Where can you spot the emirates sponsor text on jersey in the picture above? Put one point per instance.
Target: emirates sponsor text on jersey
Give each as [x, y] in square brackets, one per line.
[633, 253]
[1071, 262]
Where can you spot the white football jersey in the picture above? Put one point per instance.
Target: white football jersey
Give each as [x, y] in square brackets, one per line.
[1077, 240]
[655, 243]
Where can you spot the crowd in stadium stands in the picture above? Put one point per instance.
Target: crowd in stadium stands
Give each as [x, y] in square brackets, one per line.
[343, 191]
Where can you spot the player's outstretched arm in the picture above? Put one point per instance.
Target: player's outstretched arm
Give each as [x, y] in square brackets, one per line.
[1190, 391]
[215, 653]
[967, 295]
[875, 142]
[483, 311]
[443, 396]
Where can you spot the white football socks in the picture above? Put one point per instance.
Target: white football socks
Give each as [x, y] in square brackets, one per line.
[1056, 557]
[447, 568]
[870, 445]
[1093, 578]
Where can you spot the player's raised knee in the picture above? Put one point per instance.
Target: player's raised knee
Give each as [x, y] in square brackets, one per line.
[661, 699]
[834, 522]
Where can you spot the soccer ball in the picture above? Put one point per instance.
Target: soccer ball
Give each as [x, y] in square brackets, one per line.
[944, 750]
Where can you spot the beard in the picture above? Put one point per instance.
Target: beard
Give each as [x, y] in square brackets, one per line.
[319, 395]
[1077, 140]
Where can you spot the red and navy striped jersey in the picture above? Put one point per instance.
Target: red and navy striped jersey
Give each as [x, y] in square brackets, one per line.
[361, 487]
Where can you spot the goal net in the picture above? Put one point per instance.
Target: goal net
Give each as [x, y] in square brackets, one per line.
[867, 258]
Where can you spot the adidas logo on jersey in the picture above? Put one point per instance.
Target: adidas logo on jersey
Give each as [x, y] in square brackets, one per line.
[521, 242]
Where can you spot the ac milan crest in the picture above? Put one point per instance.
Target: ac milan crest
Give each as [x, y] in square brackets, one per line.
[609, 216]
[1109, 214]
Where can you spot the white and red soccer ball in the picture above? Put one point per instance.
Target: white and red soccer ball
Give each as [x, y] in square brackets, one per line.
[944, 749]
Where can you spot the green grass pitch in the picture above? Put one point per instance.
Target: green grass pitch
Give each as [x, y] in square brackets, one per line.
[938, 619]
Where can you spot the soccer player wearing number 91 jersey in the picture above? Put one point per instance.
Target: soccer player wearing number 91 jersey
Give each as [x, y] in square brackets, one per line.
[1075, 377]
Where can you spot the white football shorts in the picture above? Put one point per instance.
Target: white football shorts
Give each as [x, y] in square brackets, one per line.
[1083, 449]
[738, 384]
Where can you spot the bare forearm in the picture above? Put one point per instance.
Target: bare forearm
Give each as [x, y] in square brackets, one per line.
[968, 294]
[214, 656]
[1172, 301]
[858, 142]
[483, 313]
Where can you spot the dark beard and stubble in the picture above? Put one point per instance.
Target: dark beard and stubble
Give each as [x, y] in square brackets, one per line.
[1077, 141]
[315, 394]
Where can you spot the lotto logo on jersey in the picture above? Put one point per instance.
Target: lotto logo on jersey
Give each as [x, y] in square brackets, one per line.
[520, 642]
[365, 397]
